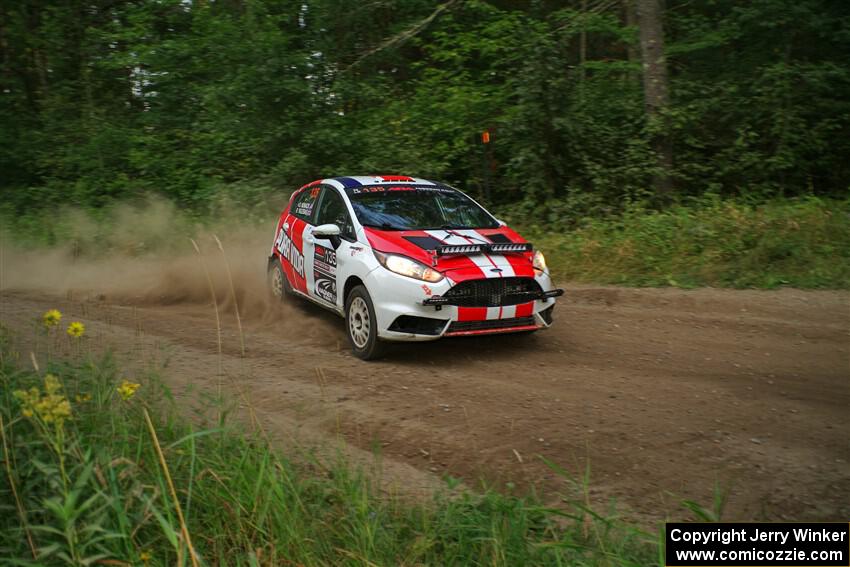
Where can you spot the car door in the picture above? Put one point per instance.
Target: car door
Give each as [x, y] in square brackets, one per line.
[325, 257]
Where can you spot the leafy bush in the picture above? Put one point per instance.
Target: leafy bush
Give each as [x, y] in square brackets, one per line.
[710, 242]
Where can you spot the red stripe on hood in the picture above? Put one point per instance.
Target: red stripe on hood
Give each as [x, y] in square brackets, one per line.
[458, 268]
[394, 242]
[521, 263]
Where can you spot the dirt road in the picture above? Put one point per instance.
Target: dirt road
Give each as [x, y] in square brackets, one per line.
[663, 393]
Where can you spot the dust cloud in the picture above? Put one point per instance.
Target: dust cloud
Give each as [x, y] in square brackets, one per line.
[143, 254]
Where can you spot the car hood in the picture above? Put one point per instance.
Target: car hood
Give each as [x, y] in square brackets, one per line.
[420, 245]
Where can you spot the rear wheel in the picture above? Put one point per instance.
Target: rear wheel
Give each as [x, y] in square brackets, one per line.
[278, 284]
[361, 325]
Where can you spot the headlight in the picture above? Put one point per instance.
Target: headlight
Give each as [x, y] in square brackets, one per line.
[539, 262]
[407, 267]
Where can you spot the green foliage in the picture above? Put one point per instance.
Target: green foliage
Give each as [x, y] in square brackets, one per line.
[102, 100]
[764, 82]
[102, 494]
[712, 242]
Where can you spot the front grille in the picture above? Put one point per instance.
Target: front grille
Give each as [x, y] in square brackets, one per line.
[493, 292]
[490, 324]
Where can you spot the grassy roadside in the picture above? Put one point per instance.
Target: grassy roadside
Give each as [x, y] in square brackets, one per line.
[101, 470]
[802, 243]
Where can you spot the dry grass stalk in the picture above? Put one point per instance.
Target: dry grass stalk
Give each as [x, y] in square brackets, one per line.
[217, 318]
[183, 528]
[233, 295]
[18, 504]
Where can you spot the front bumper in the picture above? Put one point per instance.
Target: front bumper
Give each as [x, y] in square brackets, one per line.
[412, 310]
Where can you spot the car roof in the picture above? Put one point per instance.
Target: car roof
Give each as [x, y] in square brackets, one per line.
[347, 182]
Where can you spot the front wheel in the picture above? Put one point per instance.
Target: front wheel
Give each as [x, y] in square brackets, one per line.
[362, 325]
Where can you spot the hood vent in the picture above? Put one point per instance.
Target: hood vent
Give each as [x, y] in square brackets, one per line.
[424, 242]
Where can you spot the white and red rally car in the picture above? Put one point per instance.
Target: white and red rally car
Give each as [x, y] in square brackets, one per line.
[405, 259]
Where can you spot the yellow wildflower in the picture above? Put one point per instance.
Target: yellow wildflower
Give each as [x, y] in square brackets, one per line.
[80, 398]
[51, 384]
[145, 556]
[127, 389]
[51, 318]
[50, 406]
[76, 329]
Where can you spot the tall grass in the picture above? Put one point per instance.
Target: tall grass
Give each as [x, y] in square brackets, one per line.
[801, 243]
[707, 241]
[126, 478]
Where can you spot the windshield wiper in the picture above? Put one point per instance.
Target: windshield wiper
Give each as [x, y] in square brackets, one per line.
[450, 230]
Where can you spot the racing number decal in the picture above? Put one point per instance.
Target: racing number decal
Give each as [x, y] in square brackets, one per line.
[324, 273]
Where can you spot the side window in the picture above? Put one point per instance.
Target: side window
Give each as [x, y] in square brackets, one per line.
[305, 203]
[332, 210]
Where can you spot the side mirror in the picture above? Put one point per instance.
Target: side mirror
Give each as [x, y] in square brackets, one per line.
[326, 231]
[330, 232]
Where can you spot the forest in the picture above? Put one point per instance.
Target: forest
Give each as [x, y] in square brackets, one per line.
[555, 113]
[103, 99]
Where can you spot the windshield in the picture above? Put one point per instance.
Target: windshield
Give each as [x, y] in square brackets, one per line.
[417, 208]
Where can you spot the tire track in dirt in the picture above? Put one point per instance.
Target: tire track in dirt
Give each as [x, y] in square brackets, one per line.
[663, 392]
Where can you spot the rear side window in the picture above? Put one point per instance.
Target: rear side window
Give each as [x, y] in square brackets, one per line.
[304, 204]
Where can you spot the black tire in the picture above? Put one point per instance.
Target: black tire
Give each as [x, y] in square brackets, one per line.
[279, 287]
[361, 325]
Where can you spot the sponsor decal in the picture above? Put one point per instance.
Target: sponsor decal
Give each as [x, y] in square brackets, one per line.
[356, 250]
[324, 273]
[427, 290]
[390, 188]
[286, 248]
[326, 289]
[305, 201]
[305, 208]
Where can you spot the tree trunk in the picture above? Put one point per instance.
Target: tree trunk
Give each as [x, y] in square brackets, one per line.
[655, 91]
[582, 46]
[630, 19]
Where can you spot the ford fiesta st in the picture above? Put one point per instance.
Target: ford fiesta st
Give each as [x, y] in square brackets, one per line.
[405, 259]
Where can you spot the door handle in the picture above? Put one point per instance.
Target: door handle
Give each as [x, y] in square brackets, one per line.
[286, 226]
